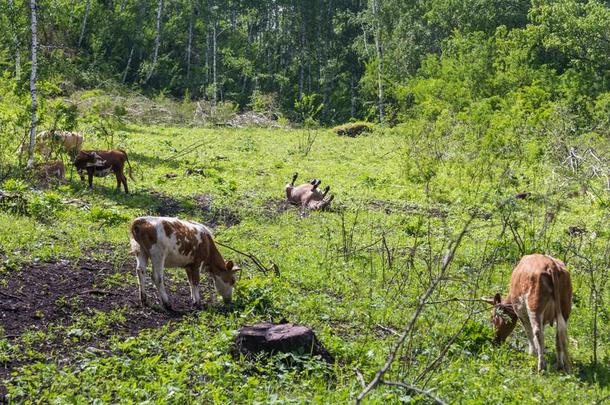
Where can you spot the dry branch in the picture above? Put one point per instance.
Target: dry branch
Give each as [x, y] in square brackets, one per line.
[272, 267]
[447, 259]
[415, 389]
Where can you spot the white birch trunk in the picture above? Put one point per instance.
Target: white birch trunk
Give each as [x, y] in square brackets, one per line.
[16, 44]
[84, 25]
[215, 83]
[157, 42]
[33, 84]
[379, 51]
[189, 47]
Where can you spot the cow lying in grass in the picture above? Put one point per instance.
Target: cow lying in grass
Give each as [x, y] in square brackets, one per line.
[100, 163]
[308, 195]
[540, 293]
[171, 242]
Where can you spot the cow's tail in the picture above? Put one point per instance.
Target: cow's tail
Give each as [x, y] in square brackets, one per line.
[561, 322]
[130, 171]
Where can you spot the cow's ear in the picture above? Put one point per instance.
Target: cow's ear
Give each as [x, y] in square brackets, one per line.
[497, 298]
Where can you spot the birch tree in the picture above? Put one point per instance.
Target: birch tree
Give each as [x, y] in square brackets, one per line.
[16, 44]
[33, 84]
[84, 24]
[157, 42]
[379, 54]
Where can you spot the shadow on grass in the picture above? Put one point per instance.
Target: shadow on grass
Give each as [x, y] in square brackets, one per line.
[594, 374]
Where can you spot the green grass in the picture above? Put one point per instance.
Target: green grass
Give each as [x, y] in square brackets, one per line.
[351, 273]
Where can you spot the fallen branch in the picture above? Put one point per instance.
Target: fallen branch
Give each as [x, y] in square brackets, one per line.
[97, 291]
[415, 389]
[11, 296]
[386, 329]
[272, 267]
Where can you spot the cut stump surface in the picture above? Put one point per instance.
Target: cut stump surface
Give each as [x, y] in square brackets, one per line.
[278, 338]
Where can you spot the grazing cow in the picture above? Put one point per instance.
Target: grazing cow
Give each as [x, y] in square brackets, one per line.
[66, 141]
[53, 169]
[171, 242]
[100, 163]
[308, 195]
[540, 293]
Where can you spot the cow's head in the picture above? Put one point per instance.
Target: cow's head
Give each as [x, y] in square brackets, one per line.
[503, 318]
[225, 281]
[86, 159]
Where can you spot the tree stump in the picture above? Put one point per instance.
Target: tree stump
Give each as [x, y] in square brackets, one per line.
[278, 338]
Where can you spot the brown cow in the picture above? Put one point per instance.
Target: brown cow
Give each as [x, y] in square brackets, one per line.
[66, 141]
[171, 242]
[53, 169]
[307, 195]
[100, 163]
[540, 293]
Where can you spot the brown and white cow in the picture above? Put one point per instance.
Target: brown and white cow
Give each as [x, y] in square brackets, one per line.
[308, 195]
[66, 141]
[100, 163]
[540, 294]
[171, 242]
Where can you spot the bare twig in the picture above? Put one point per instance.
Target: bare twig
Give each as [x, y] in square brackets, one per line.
[273, 267]
[360, 377]
[447, 259]
[97, 291]
[415, 389]
[443, 352]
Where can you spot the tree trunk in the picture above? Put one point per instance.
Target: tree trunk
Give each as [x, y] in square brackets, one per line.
[16, 44]
[128, 63]
[302, 54]
[352, 91]
[379, 51]
[189, 46]
[84, 25]
[33, 85]
[215, 83]
[157, 42]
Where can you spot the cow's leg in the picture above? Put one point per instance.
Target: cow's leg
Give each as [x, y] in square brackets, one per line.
[538, 331]
[90, 176]
[141, 263]
[158, 263]
[527, 327]
[561, 344]
[125, 183]
[192, 271]
[119, 181]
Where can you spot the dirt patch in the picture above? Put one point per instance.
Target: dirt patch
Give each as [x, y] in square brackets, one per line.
[166, 206]
[390, 207]
[214, 216]
[41, 295]
[275, 207]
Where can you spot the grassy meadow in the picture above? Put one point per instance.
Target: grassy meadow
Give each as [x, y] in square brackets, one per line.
[403, 197]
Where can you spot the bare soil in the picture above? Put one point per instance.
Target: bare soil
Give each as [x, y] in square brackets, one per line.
[40, 295]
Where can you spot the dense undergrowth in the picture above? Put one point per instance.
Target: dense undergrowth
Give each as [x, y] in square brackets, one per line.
[353, 273]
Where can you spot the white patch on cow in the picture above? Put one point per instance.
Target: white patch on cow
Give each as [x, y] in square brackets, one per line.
[225, 290]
